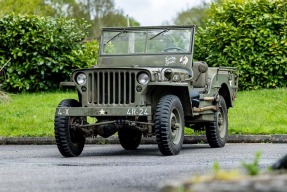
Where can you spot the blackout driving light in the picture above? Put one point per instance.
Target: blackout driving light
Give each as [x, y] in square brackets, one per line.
[81, 79]
[143, 78]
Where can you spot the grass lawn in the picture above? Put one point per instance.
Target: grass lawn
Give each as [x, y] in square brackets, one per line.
[255, 112]
[30, 114]
[259, 112]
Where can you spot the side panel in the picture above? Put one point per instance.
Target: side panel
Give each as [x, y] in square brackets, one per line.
[225, 82]
[222, 81]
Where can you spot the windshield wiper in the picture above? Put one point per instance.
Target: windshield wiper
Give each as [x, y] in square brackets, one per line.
[117, 35]
[164, 31]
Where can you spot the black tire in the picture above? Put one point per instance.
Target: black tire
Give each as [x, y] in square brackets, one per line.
[217, 131]
[70, 142]
[169, 125]
[130, 138]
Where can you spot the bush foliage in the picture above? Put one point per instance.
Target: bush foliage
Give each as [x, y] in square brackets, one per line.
[250, 35]
[43, 51]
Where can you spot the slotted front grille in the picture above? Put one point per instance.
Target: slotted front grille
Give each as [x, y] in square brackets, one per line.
[111, 87]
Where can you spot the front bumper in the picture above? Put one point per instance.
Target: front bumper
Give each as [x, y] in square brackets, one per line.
[103, 111]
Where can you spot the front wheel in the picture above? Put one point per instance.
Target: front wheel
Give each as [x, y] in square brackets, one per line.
[169, 125]
[217, 131]
[70, 140]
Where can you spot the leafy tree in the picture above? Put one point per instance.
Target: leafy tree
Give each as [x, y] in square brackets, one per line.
[250, 35]
[194, 15]
[25, 7]
[120, 20]
[98, 13]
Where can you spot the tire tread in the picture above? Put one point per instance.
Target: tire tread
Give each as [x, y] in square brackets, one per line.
[212, 134]
[161, 125]
[61, 132]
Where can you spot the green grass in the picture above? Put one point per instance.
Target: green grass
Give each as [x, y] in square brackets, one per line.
[255, 112]
[30, 114]
[259, 112]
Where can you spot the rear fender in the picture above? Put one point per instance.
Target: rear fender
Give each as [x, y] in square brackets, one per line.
[225, 93]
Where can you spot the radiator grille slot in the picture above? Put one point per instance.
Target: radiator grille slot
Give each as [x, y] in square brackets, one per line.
[111, 87]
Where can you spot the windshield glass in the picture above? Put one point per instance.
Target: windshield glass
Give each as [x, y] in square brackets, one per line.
[146, 41]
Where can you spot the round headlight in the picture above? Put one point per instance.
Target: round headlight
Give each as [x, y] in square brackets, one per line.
[81, 79]
[143, 78]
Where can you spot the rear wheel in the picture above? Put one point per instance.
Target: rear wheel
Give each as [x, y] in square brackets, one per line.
[169, 125]
[130, 138]
[217, 131]
[70, 141]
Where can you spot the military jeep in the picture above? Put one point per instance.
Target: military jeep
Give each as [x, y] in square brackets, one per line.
[146, 84]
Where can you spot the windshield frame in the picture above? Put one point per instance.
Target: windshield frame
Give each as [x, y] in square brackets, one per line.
[161, 31]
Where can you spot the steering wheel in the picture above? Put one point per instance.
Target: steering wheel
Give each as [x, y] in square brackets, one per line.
[173, 48]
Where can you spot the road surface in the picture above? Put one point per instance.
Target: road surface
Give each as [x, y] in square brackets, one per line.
[109, 168]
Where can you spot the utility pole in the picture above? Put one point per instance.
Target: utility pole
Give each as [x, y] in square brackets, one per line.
[128, 21]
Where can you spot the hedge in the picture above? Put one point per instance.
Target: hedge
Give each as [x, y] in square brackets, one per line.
[43, 51]
[250, 35]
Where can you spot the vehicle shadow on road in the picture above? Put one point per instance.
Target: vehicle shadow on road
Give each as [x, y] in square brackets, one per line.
[143, 150]
[147, 150]
[194, 146]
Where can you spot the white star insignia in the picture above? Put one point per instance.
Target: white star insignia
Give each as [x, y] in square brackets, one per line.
[102, 112]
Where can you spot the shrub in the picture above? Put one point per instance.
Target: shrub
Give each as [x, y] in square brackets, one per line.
[43, 51]
[88, 55]
[250, 35]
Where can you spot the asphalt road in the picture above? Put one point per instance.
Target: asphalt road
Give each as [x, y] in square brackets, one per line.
[109, 168]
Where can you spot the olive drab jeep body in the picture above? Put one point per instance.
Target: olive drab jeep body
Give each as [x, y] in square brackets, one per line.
[146, 84]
